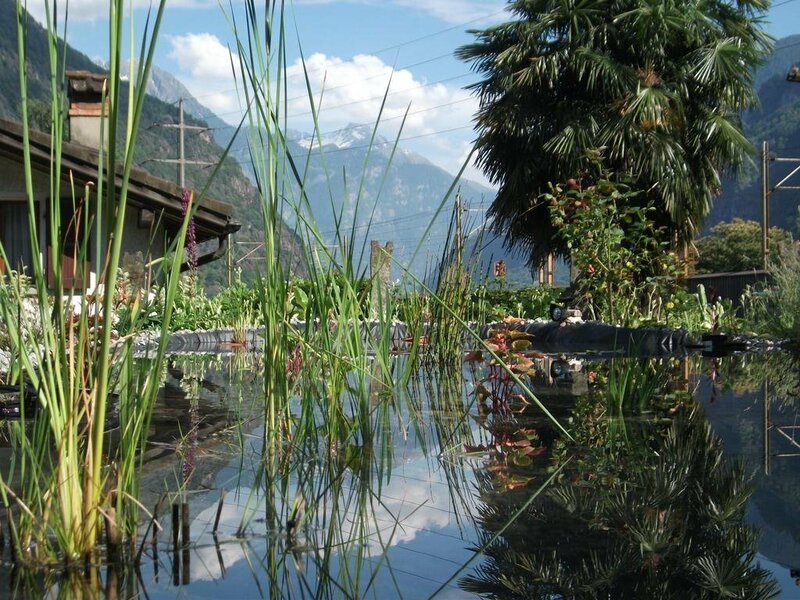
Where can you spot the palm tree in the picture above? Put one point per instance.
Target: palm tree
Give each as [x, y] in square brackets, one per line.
[651, 90]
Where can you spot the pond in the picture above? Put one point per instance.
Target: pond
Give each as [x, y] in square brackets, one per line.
[682, 478]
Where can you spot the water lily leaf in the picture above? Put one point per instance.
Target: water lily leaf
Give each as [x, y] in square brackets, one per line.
[533, 450]
[519, 345]
[522, 365]
[519, 335]
[521, 460]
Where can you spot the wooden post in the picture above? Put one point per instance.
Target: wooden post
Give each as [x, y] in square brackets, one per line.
[176, 524]
[185, 541]
[380, 265]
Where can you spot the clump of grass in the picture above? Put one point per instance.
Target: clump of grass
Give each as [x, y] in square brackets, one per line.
[776, 309]
[66, 481]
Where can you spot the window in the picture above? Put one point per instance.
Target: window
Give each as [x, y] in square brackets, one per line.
[15, 236]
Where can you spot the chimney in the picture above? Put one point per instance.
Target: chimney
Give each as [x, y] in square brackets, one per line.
[86, 108]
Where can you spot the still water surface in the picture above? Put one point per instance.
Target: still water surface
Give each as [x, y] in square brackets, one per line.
[647, 502]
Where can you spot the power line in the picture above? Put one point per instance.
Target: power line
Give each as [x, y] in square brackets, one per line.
[182, 161]
[441, 31]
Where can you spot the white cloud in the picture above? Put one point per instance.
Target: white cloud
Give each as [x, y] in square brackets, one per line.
[352, 91]
[203, 56]
[346, 91]
[206, 68]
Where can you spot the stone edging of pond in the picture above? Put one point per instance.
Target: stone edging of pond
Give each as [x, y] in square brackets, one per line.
[547, 336]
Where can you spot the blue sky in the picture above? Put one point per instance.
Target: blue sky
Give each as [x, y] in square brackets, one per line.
[354, 46]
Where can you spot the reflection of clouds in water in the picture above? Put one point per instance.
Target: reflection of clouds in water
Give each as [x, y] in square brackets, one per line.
[206, 555]
[406, 506]
[413, 500]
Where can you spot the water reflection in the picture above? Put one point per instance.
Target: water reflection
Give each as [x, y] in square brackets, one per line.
[328, 513]
[756, 415]
[647, 507]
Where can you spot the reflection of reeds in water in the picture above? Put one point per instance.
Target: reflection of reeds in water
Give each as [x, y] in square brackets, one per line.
[329, 508]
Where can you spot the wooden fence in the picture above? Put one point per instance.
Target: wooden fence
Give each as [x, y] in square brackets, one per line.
[728, 285]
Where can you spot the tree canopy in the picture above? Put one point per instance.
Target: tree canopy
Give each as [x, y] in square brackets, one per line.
[736, 246]
[649, 89]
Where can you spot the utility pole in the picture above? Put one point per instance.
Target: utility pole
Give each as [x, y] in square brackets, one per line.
[459, 240]
[765, 204]
[182, 161]
[767, 191]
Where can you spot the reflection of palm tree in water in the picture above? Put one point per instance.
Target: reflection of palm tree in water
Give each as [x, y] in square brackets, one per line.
[795, 574]
[666, 522]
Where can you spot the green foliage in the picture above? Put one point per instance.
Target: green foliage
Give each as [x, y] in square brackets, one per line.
[655, 88]
[74, 478]
[776, 309]
[194, 310]
[491, 303]
[736, 246]
[695, 313]
[626, 272]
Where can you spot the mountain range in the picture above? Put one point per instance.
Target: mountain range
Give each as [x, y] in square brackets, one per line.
[363, 187]
[378, 190]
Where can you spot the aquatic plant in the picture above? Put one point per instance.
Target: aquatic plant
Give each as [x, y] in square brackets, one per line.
[66, 482]
[776, 308]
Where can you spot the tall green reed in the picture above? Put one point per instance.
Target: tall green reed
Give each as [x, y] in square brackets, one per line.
[65, 479]
[334, 345]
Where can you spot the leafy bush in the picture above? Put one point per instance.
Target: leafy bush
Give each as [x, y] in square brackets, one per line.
[626, 271]
[736, 246]
[493, 303]
[776, 309]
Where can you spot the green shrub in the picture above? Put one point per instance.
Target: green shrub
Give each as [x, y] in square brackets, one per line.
[530, 302]
[626, 271]
[776, 309]
[736, 246]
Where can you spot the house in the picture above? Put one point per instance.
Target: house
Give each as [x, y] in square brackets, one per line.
[154, 210]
